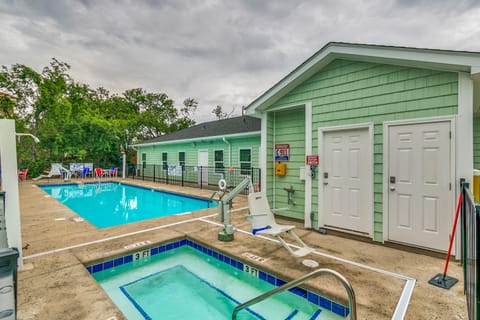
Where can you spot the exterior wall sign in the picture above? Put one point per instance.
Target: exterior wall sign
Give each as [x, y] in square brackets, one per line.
[282, 152]
[312, 160]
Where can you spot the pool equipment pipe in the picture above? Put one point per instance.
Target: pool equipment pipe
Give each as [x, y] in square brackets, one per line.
[290, 192]
[442, 280]
[29, 135]
[223, 206]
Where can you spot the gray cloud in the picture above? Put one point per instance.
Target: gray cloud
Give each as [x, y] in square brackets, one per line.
[218, 52]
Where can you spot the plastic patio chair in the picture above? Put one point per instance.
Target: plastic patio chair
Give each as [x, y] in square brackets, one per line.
[85, 172]
[54, 171]
[22, 175]
[113, 172]
[98, 172]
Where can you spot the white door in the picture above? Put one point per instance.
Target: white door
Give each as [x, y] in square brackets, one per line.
[203, 167]
[347, 180]
[419, 186]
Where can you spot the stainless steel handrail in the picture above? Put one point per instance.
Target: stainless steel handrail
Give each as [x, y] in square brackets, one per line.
[352, 304]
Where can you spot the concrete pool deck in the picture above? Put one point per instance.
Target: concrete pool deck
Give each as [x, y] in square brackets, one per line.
[54, 283]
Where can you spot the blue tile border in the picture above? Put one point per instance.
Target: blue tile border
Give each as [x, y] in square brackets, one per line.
[43, 185]
[312, 297]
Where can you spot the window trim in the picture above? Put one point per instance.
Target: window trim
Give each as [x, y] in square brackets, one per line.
[216, 169]
[165, 161]
[144, 160]
[242, 173]
[184, 158]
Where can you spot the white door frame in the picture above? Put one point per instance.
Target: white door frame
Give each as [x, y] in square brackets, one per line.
[307, 105]
[199, 164]
[321, 131]
[386, 168]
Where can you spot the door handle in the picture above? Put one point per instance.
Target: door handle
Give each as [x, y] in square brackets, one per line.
[392, 188]
[325, 183]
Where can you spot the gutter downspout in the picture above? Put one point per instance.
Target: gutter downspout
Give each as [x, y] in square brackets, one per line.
[229, 152]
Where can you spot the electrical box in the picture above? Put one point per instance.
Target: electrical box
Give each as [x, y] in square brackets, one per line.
[302, 173]
[476, 184]
[280, 169]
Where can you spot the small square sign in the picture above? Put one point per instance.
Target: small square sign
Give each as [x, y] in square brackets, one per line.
[282, 152]
[312, 160]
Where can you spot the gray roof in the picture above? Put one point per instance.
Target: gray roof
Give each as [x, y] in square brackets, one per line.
[226, 127]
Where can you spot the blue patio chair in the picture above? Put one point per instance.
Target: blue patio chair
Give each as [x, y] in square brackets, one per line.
[85, 172]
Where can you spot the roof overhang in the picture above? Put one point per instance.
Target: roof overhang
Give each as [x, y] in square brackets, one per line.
[442, 60]
[220, 137]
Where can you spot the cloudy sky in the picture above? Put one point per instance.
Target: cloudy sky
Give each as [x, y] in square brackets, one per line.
[219, 52]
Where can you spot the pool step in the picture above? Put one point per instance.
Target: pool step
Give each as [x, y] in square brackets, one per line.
[292, 316]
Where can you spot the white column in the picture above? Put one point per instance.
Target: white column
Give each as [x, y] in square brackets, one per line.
[464, 152]
[8, 163]
[308, 177]
[263, 152]
[464, 141]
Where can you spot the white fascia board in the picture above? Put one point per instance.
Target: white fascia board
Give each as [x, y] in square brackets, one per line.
[455, 61]
[219, 137]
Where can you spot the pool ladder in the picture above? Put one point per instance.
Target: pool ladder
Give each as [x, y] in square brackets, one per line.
[352, 304]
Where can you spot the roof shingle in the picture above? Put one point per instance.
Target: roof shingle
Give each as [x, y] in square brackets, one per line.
[225, 127]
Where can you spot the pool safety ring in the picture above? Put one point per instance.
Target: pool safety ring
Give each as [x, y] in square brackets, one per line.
[222, 184]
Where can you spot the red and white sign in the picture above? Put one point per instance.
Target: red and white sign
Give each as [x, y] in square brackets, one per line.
[312, 160]
[282, 152]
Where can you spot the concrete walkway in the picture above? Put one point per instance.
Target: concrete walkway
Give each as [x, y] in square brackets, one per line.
[55, 284]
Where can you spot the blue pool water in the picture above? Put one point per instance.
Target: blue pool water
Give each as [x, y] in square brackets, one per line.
[185, 280]
[111, 203]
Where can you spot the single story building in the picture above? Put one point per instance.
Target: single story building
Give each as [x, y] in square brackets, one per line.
[374, 140]
[207, 151]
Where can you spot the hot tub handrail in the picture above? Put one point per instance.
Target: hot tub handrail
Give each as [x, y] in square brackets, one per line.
[352, 304]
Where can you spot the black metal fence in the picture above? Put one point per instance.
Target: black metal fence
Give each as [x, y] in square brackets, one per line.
[194, 176]
[470, 224]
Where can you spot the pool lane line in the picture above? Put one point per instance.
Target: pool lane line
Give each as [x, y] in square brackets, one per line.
[124, 235]
[405, 296]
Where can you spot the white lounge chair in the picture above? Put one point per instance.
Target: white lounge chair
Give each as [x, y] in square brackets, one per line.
[263, 222]
[56, 170]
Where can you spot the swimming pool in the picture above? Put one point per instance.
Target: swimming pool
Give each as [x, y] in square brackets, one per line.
[186, 280]
[110, 204]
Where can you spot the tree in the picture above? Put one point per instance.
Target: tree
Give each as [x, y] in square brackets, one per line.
[220, 114]
[76, 123]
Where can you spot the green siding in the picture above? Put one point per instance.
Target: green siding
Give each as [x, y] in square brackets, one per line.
[476, 142]
[287, 127]
[350, 92]
[191, 149]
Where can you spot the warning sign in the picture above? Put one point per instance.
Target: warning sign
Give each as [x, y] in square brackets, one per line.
[282, 152]
[312, 160]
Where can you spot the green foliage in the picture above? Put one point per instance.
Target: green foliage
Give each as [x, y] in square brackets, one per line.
[78, 124]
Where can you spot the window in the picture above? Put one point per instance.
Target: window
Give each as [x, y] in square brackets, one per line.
[164, 161]
[219, 168]
[245, 161]
[144, 160]
[181, 159]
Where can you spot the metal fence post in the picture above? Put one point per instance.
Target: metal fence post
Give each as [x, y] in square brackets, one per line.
[183, 172]
[166, 175]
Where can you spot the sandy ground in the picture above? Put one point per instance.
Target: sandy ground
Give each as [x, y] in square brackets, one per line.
[54, 283]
